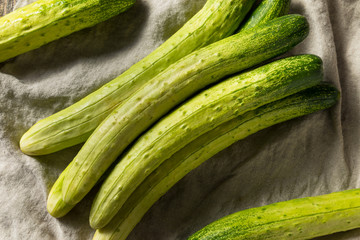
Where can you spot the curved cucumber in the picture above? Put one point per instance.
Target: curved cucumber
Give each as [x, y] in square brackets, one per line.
[302, 218]
[73, 125]
[207, 145]
[202, 113]
[172, 86]
[266, 11]
[43, 21]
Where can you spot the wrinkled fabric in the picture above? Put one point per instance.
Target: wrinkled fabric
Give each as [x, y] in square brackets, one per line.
[307, 156]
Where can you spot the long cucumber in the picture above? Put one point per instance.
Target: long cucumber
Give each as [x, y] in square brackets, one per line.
[182, 79]
[202, 148]
[73, 125]
[266, 11]
[303, 218]
[202, 113]
[58, 208]
[43, 21]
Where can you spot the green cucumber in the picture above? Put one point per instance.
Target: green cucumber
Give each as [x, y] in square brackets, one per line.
[302, 218]
[192, 155]
[182, 79]
[58, 208]
[55, 205]
[202, 113]
[43, 21]
[73, 125]
[202, 148]
[266, 11]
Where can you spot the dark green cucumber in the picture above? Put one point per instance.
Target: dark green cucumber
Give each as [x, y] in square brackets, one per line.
[266, 11]
[73, 125]
[199, 115]
[202, 148]
[182, 79]
[303, 218]
[43, 21]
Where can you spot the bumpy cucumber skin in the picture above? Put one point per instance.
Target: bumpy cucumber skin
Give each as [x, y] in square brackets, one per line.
[43, 21]
[207, 145]
[73, 125]
[266, 11]
[202, 113]
[55, 205]
[172, 86]
[302, 218]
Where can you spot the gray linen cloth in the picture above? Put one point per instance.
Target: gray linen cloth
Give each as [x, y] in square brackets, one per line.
[311, 155]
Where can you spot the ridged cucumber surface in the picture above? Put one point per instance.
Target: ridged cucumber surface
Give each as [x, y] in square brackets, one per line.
[303, 218]
[43, 21]
[73, 125]
[55, 205]
[207, 145]
[202, 113]
[179, 81]
[266, 11]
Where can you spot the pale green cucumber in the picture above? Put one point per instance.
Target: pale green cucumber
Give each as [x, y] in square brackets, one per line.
[182, 79]
[202, 113]
[266, 11]
[73, 125]
[202, 148]
[43, 21]
[58, 208]
[55, 205]
[303, 218]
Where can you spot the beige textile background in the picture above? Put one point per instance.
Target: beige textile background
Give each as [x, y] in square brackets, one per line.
[308, 156]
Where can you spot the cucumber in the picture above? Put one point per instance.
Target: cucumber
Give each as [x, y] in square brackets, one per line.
[266, 11]
[55, 205]
[302, 218]
[202, 148]
[43, 21]
[73, 125]
[57, 208]
[202, 113]
[182, 79]
[192, 155]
